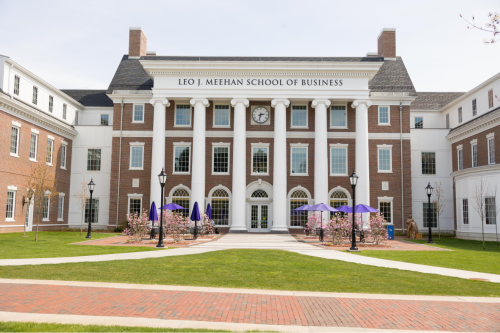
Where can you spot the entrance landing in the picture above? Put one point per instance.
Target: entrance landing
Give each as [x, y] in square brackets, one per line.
[258, 241]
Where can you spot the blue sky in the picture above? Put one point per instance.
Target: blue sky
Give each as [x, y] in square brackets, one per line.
[78, 44]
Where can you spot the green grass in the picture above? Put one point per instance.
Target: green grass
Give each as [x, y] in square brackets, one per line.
[466, 254]
[258, 269]
[56, 244]
[15, 326]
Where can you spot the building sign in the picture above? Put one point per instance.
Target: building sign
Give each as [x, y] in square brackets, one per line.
[253, 82]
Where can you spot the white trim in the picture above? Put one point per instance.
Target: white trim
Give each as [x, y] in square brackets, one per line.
[47, 195]
[490, 138]
[135, 145]
[213, 116]
[340, 188]
[175, 188]
[15, 123]
[391, 200]
[211, 192]
[473, 142]
[33, 130]
[134, 196]
[190, 114]
[51, 151]
[143, 113]
[344, 146]
[379, 147]
[64, 147]
[259, 145]
[460, 153]
[222, 145]
[299, 145]
[472, 154]
[182, 144]
[18, 137]
[61, 195]
[50, 137]
[307, 115]
[289, 202]
[330, 122]
[12, 189]
[490, 135]
[388, 115]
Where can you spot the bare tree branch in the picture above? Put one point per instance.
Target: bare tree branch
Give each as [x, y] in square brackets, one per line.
[478, 196]
[493, 27]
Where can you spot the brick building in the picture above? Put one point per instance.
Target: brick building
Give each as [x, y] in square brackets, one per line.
[255, 137]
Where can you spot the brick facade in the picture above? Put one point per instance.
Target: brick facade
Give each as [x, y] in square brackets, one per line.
[482, 149]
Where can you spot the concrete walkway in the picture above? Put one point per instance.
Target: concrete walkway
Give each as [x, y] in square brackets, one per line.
[159, 306]
[262, 241]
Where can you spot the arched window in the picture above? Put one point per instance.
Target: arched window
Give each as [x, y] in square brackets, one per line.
[338, 198]
[220, 207]
[181, 198]
[260, 194]
[297, 199]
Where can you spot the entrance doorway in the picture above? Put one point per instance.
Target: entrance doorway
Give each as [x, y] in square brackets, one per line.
[259, 218]
[28, 221]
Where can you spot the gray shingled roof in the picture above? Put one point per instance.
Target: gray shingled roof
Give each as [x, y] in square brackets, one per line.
[392, 76]
[434, 100]
[89, 97]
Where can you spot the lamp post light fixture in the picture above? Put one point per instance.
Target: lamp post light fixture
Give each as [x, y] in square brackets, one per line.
[162, 177]
[91, 186]
[353, 178]
[428, 191]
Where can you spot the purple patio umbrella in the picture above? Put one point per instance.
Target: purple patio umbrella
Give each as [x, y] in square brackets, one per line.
[195, 216]
[153, 216]
[365, 209]
[172, 206]
[321, 207]
[345, 209]
[303, 207]
[209, 212]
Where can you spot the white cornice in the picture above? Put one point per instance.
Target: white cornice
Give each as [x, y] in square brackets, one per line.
[475, 127]
[36, 117]
[477, 171]
[265, 73]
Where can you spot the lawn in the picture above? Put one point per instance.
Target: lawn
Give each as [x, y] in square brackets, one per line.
[466, 254]
[56, 244]
[258, 269]
[14, 326]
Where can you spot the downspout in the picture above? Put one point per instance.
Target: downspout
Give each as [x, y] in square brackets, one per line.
[401, 153]
[119, 165]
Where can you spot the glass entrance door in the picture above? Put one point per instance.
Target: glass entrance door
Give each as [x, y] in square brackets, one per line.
[259, 218]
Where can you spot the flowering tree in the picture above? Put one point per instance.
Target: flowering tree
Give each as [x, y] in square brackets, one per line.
[138, 226]
[493, 27]
[378, 228]
[314, 221]
[206, 225]
[81, 199]
[338, 228]
[175, 225]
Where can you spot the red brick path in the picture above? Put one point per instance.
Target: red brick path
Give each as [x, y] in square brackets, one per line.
[250, 308]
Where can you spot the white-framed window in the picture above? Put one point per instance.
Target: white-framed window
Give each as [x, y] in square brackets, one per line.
[14, 141]
[448, 120]
[65, 107]
[260, 159]
[182, 158]
[138, 113]
[299, 116]
[35, 95]
[338, 159]
[181, 197]
[94, 159]
[298, 199]
[95, 210]
[60, 207]
[104, 119]
[182, 115]
[33, 146]
[46, 208]
[460, 158]
[338, 116]
[11, 204]
[385, 208]
[474, 154]
[64, 150]
[50, 151]
[491, 148]
[459, 115]
[134, 204]
[220, 158]
[339, 197]
[222, 115]
[384, 115]
[428, 163]
[474, 107]
[490, 210]
[298, 159]
[419, 122]
[220, 206]
[17, 84]
[136, 156]
[384, 153]
[433, 214]
[51, 104]
[490, 98]
[465, 211]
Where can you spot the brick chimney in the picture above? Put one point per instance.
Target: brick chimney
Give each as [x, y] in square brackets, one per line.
[387, 44]
[137, 43]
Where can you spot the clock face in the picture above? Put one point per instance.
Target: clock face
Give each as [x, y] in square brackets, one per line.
[260, 114]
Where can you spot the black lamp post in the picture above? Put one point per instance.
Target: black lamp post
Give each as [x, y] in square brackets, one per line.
[353, 178]
[91, 186]
[162, 177]
[428, 190]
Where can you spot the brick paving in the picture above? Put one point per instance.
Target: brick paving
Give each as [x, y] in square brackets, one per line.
[251, 308]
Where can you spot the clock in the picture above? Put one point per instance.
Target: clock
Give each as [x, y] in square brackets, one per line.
[260, 114]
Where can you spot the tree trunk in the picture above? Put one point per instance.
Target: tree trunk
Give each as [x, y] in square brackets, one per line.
[439, 225]
[482, 227]
[81, 224]
[37, 222]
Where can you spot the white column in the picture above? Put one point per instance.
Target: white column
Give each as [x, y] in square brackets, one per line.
[238, 206]
[362, 153]
[279, 169]
[320, 151]
[158, 155]
[198, 154]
